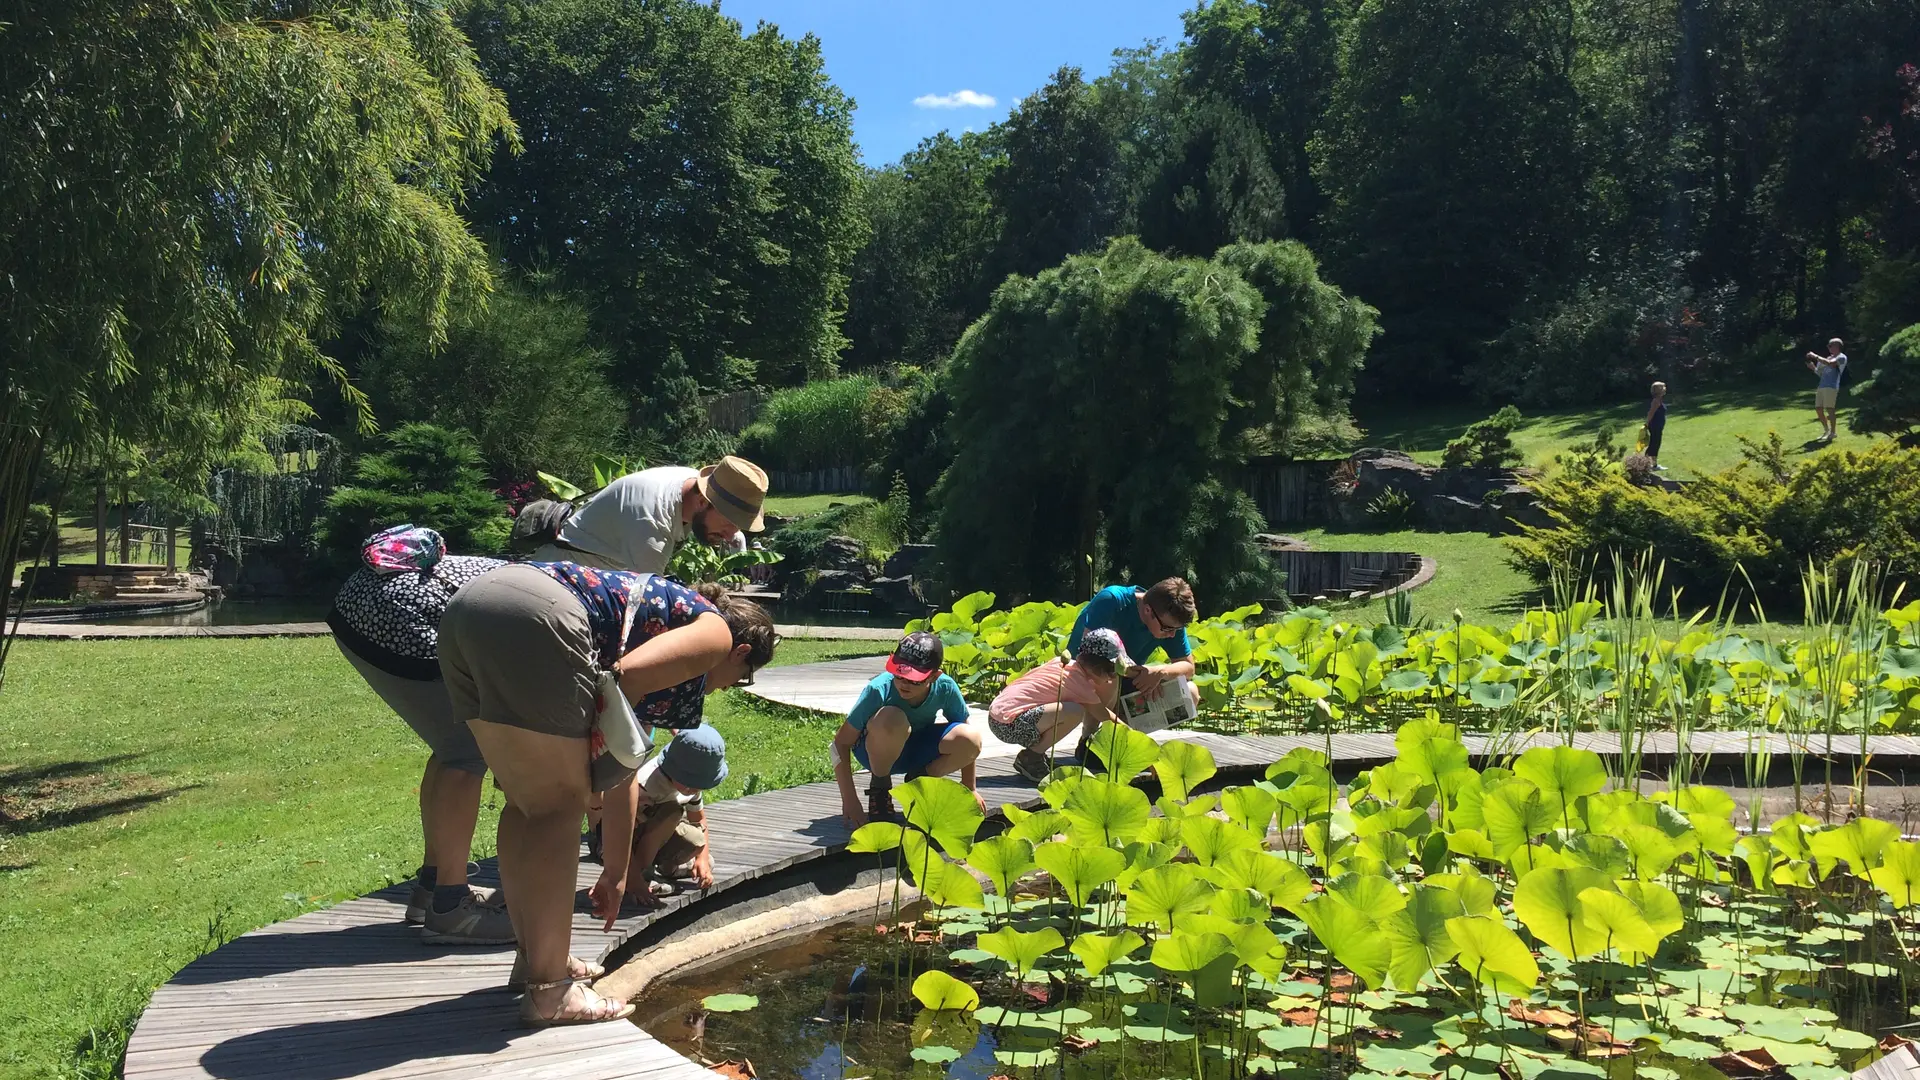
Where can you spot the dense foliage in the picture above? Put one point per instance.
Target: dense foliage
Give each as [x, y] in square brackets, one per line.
[1097, 409]
[1546, 199]
[1756, 526]
[1486, 444]
[1888, 402]
[422, 475]
[696, 185]
[194, 191]
[1537, 915]
[521, 374]
[825, 424]
[1593, 666]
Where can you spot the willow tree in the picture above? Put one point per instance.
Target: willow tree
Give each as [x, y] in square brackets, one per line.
[191, 194]
[1100, 409]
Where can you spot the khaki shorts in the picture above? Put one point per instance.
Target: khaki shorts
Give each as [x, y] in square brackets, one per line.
[428, 711]
[515, 650]
[682, 845]
[1826, 397]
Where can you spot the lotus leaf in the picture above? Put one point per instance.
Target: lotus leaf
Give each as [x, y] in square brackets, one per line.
[1183, 766]
[936, 1055]
[939, 990]
[943, 809]
[1160, 896]
[1250, 807]
[1860, 843]
[1491, 953]
[1548, 902]
[1021, 949]
[1240, 905]
[1097, 952]
[1619, 920]
[729, 1003]
[1784, 1053]
[1516, 813]
[1004, 859]
[1107, 813]
[1079, 870]
[1371, 894]
[1034, 826]
[1352, 936]
[1281, 882]
[1898, 874]
[1563, 774]
[1419, 935]
[1143, 856]
[875, 836]
[1211, 839]
[1125, 752]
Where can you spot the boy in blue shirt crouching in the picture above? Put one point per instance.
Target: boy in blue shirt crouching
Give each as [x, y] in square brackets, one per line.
[911, 720]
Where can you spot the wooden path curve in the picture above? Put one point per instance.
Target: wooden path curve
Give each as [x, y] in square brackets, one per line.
[350, 992]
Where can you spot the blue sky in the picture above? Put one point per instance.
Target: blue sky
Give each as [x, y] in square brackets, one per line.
[889, 53]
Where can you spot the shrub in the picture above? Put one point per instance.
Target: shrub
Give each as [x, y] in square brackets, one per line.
[1888, 402]
[823, 425]
[1391, 510]
[425, 475]
[1486, 443]
[1762, 520]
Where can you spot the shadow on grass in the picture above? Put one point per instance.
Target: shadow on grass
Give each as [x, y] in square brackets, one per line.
[60, 794]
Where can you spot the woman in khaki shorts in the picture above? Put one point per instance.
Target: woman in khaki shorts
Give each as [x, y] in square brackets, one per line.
[521, 649]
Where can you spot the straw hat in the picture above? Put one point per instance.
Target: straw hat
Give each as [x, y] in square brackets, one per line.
[737, 488]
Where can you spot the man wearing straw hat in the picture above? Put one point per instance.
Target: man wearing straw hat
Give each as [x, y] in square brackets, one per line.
[638, 521]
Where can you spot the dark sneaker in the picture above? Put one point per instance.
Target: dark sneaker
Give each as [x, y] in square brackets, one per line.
[419, 899]
[1032, 764]
[880, 801]
[474, 921]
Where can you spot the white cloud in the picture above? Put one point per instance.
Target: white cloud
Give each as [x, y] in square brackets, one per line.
[959, 99]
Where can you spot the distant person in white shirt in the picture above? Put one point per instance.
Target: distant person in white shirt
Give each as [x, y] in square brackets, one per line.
[1826, 398]
[638, 521]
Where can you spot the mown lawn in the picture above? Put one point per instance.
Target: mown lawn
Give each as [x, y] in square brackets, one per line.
[162, 795]
[1473, 574]
[1703, 428]
[799, 506]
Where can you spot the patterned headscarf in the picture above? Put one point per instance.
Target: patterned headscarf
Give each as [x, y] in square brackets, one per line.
[403, 548]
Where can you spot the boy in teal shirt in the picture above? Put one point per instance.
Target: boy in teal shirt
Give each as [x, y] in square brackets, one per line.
[910, 719]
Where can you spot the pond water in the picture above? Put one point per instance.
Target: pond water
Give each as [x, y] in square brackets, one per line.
[234, 613]
[837, 1004]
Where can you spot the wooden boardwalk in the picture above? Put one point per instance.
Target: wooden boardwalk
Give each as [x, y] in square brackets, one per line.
[350, 992]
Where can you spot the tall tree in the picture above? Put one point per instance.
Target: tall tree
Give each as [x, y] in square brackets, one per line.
[1456, 177]
[1275, 61]
[1059, 192]
[190, 192]
[1214, 186]
[921, 277]
[696, 185]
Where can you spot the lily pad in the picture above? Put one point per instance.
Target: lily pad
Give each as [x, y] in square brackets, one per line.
[1811, 1072]
[1705, 1026]
[1288, 1038]
[729, 1003]
[1872, 970]
[938, 1055]
[1027, 1059]
[1845, 1039]
[1782, 1052]
[1390, 1059]
[1691, 1049]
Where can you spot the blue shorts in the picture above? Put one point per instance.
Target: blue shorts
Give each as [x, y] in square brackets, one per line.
[923, 745]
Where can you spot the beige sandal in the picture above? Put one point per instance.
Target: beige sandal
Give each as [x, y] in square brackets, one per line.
[599, 1010]
[576, 969]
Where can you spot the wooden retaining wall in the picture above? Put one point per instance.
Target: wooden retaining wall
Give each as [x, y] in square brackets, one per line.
[1337, 574]
[1291, 492]
[833, 481]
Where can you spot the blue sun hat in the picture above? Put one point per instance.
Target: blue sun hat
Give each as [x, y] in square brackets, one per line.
[697, 758]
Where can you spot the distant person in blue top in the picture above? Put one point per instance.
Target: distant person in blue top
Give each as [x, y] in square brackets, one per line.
[910, 719]
[1146, 619]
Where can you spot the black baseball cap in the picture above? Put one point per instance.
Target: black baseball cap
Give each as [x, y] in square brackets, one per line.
[918, 656]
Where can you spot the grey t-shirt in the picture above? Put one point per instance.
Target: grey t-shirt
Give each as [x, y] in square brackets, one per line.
[634, 522]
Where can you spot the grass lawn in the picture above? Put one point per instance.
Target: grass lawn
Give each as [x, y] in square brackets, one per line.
[1473, 574]
[799, 506]
[161, 796]
[1702, 428]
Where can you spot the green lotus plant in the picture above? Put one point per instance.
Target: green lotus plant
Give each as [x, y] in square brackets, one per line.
[1640, 923]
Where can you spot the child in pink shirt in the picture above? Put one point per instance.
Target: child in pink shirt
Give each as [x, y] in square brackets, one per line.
[1039, 708]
